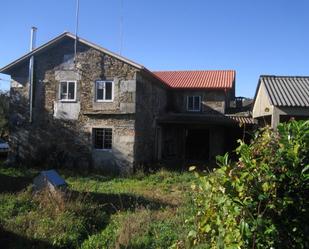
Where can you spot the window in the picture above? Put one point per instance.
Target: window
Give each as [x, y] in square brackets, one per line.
[68, 57]
[68, 90]
[102, 138]
[194, 103]
[104, 91]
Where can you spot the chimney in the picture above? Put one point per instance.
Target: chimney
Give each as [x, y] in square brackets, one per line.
[33, 38]
[31, 65]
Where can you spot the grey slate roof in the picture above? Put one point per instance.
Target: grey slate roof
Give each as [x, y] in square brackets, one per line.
[287, 91]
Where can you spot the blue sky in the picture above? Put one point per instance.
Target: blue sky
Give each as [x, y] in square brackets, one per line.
[253, 37]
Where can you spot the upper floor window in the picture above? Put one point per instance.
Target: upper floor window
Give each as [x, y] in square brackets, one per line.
[194, 103]
[68, 90]
[104, 91]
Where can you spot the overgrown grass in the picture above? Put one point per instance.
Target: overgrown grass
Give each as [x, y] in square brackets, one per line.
[142, 211]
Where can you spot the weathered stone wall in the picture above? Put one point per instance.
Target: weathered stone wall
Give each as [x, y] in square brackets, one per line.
[64, 130]
[121, 158]
[151, 102]
[212, 101]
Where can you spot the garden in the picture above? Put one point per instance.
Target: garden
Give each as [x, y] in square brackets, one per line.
[259, 200]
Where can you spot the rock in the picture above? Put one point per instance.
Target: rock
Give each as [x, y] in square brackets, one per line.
[49, 179]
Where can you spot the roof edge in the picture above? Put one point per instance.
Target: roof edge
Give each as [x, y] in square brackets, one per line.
[257, 90]
[283, 76]
[6, 68]
[182, 88]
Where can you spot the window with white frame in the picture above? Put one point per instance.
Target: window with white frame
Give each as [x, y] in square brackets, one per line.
[67, 90]
[194, 103]
[104, 91]
[103, 138]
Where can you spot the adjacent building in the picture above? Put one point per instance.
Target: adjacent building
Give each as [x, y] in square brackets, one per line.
[280, 98]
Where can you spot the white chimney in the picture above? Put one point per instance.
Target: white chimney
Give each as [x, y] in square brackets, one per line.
[33, 38]
[31, 65]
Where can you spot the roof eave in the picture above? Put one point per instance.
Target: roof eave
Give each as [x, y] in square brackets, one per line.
[201, 88]
[106, 51]
[8, 68]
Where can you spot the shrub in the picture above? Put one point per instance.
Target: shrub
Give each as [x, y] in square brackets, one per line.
[260, 201]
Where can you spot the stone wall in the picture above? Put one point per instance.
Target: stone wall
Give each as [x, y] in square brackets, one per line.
[151, 102]
[64, 130]
[212, 101]
[121, 158]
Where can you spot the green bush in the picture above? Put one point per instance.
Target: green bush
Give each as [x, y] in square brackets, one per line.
[260, 201]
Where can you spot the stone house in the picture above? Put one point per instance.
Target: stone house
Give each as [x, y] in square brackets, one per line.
[101, 110]
[280, 98]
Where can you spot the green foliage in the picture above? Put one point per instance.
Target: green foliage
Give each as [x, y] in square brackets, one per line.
[4, 113]
[260, 201]
[105, 239]
[12, 205]
[158, 232]
[99, 212]
[60, 223]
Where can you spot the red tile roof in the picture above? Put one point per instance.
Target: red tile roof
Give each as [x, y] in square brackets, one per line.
[198, 79]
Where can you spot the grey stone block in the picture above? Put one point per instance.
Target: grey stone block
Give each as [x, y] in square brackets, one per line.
[62, 75]
[63, 110]
[127, 107]
[128, 86]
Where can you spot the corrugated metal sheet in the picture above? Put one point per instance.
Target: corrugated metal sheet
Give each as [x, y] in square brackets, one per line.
[242, 119]
[184, 118]
[198, 79]
[289, 91]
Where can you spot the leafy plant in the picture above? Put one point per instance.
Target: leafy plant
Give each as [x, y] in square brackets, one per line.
[260, 201]
[4, 113]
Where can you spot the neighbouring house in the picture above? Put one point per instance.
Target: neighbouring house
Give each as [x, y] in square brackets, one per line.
[280, 98]
[101, 110]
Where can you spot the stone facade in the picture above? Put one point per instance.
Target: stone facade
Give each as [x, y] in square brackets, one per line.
[62, 132]
[212, 101]
[151, 102]
[190, 136]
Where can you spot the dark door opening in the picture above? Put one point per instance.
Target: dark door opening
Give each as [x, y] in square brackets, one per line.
[197, 144]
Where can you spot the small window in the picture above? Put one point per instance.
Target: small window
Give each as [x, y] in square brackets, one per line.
[68, 90]
[104, 91]
[102, 138]
[68, 57]
[194, 103]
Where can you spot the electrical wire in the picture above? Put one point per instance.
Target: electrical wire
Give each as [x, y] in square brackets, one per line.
[121, 28]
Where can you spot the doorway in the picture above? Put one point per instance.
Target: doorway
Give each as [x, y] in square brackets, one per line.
[197, 144]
